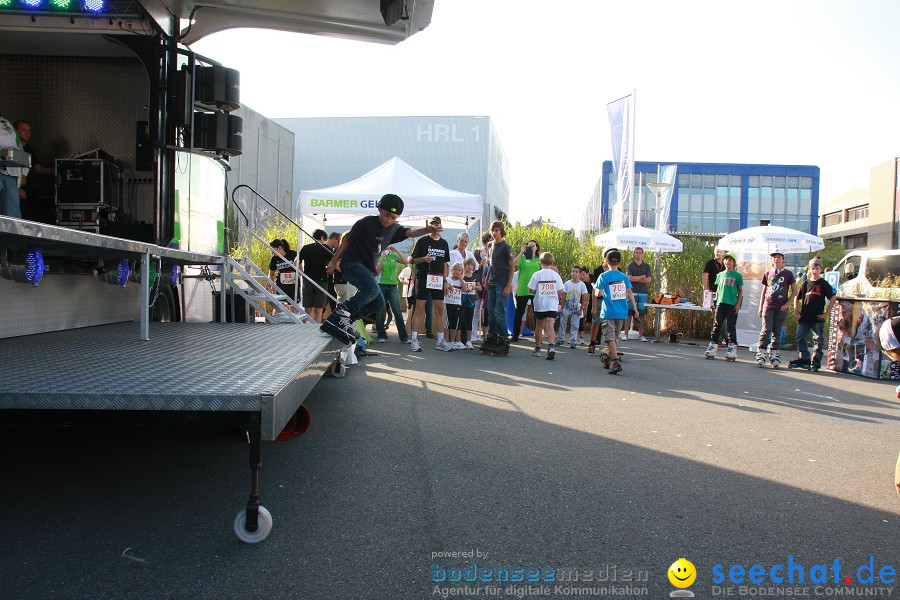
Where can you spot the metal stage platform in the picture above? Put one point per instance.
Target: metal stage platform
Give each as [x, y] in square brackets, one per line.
[201, 367]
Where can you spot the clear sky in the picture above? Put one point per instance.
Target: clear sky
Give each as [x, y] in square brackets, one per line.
[787, 82]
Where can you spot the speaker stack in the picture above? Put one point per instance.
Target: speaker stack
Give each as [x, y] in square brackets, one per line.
[217, 93]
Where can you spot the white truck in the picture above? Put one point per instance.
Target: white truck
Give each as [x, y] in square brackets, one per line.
[93, 296]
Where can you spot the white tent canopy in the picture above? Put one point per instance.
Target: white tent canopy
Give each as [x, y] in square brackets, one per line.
[421, 195]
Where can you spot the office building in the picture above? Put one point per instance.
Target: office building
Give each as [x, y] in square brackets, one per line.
[715, 198]
[867, 217]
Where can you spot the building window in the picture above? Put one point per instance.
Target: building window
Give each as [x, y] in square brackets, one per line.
[831, 219]
[852, 242]
[860, 212]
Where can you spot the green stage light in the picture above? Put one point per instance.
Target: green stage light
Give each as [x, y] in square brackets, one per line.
[61, 4]
[5, 3]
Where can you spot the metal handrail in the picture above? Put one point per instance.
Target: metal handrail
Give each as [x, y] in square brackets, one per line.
[292, 222]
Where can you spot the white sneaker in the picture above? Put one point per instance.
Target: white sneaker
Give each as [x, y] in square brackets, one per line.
[469, 346]
[443, 346]
[414, 346]
[643, 339]
[623, 336]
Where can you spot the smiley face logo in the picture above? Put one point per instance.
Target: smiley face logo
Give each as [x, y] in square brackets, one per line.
[682, 573]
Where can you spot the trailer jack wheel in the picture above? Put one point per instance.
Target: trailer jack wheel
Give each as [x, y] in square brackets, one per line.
[337, 369]
[263, 529]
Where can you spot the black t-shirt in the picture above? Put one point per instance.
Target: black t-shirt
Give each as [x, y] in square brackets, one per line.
[315, 258]
[813, 295]
[438, 248]
[287, 275]
[501, 256]
[367, 238]
[713, 268]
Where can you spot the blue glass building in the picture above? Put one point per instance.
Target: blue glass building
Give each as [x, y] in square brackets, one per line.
[716, 198]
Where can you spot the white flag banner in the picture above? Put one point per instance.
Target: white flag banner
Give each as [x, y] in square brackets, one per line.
[667, 174]
[621, 133]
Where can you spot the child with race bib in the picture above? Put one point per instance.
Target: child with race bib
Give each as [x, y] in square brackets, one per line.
[453, 302]
[471, 288]
[547, 287]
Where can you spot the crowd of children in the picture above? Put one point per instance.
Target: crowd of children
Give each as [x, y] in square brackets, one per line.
[473, 290]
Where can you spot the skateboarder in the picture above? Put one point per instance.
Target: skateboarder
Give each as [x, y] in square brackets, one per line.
[729, 286]
[356, 256]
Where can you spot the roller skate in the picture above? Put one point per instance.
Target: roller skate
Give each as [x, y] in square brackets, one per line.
[339, 326]
[816, 364]
[774, 359]
[800, 363]
[731, 353]
[710, 352]
[489, 343]
[760, 359]
[501, 348]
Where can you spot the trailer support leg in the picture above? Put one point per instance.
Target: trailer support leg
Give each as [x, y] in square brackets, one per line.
[254, 439]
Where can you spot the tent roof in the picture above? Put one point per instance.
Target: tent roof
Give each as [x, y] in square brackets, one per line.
[421, 195]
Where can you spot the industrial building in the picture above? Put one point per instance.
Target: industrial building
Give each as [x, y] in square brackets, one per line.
[459, 153]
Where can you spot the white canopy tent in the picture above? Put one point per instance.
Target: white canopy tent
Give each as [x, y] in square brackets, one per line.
[421, 196]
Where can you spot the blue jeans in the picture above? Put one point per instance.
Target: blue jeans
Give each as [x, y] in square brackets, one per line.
[368, 299]
[391, 296]
[9, 196]
[802, 330]
[497, 310]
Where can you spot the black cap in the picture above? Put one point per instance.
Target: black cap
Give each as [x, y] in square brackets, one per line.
[435, 220]
[607, 251]
[391, 203]
[614, 256]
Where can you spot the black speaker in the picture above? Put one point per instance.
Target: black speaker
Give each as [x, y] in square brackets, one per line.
[210, 131]
[143, 147]
[219, 132]
[180, 105]
[392, 11]
[218, 86]
[235, 144]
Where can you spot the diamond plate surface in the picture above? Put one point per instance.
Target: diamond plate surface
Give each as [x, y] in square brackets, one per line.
[183, 367]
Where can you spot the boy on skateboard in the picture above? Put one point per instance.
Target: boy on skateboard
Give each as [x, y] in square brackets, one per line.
[356, 256]
[729, 287]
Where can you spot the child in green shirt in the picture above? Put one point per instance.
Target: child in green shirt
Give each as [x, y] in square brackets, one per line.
[729, 293]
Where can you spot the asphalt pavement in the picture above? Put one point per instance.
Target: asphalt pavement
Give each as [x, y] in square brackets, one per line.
[422, 468]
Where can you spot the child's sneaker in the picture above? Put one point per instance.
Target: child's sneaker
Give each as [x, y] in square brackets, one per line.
[615, 367]
[591, 348]
[573, 344]
[414, 345]
[711, 350]
[536, 352]
[443, 346]
[469, 346]
[551, 353]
